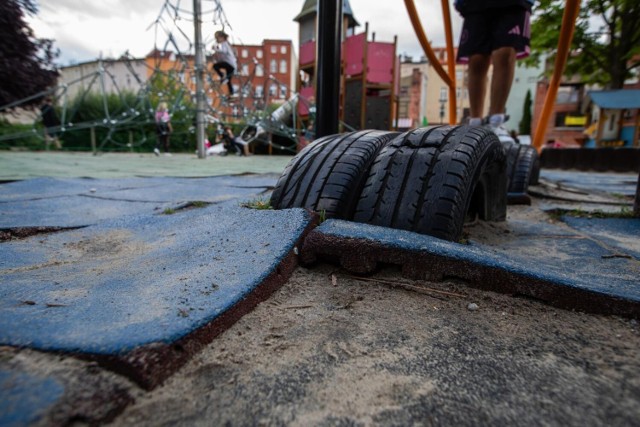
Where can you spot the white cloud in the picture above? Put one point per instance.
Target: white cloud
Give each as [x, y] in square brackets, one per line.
[85, 29]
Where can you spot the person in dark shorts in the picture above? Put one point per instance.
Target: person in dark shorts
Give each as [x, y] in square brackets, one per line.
[51, 124]
[494, 32]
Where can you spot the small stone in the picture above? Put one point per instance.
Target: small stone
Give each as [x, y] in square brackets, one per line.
[93, 190]
[472, 306]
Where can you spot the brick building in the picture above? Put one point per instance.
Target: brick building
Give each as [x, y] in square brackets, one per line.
[266, 74]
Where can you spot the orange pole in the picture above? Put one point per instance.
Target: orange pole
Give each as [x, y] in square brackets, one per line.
[422, 38]
[572, 8]
[451, 64]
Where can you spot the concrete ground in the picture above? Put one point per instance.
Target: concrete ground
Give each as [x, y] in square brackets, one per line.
[131, 276]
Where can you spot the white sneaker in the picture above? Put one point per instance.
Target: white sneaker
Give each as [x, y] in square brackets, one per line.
[156, 151]
[495, 125]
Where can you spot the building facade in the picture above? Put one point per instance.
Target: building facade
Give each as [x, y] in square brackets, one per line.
[103, 75]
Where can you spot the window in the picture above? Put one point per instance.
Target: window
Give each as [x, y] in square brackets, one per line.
[246, 89]
[259, 91]
[567, 95]
[259, 70]
[273, 66]
[283, 66]
[273, 89]
[443, 94]
[283, 91]
[283, 49]
[259, 54]
[274, 49]
[245, 53]
[245, 70]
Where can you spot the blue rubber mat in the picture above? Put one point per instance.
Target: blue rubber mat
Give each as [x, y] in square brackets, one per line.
[110, 288]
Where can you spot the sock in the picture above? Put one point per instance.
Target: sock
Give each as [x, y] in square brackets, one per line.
[496, 120]
[475, 121]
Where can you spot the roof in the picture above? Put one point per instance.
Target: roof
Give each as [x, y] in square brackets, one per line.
[619, 99]
[310, 7]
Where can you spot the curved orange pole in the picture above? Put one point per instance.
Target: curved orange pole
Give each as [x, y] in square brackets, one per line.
[451, 64]
[422, 38]
[572, 8]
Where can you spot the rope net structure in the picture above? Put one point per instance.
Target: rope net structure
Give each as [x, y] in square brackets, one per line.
[95, 107]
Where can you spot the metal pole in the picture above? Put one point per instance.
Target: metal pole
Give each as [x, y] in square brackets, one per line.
[328, 88]
[199, 71]
[569, 16]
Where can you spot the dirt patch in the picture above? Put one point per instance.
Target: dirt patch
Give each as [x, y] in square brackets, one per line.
[24, 232]
[328, 349]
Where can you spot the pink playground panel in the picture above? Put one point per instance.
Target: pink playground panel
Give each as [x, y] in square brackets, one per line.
[307, 52]
[353, 50]
[380, 61]
[303, 104]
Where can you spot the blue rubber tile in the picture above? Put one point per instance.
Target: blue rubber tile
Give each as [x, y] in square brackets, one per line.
[111, 288]
[157, 188]
[612, 183]
[572, 262]
[45, 188]
[25, 398]
[72, 211]
[622, 234]
[46, 202]
[182, 190]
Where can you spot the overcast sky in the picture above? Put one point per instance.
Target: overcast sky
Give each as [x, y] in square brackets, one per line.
[85, 29]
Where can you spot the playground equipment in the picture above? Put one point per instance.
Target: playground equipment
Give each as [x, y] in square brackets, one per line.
[427, 180]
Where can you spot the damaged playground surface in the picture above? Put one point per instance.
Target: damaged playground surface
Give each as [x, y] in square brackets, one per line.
[156, 300]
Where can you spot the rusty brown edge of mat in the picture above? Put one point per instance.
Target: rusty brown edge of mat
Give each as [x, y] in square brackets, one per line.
[362, 256]
[150, 365]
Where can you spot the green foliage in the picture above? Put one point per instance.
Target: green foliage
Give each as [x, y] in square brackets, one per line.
[606, 41]
[258, 204]
[524, 127]
[21, 136]
[116, 120]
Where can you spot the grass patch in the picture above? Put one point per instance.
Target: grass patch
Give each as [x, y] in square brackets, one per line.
[322, 216]
[623, 213]
[198, 204]
[259, 204]
[169, 211]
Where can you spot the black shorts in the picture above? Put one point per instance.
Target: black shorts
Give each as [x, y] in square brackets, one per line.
[491, 29]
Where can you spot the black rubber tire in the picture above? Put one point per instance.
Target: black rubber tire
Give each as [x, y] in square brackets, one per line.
[535, 170]
[426, 179]
[520, 163]
[327, 175]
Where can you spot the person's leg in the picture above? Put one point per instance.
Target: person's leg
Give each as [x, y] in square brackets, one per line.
[504, 65]
[510, 40]
[218, 69]
[478, 69]
[165, 143]
[229, 70]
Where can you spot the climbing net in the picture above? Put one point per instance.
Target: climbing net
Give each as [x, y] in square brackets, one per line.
[122, 119]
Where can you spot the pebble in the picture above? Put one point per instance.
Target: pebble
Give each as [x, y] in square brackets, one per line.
[472, 306]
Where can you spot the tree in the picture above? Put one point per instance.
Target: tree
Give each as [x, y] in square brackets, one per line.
[524, 127]
[606, 42]
[26, 62]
